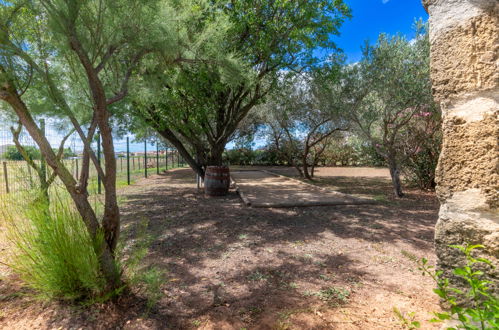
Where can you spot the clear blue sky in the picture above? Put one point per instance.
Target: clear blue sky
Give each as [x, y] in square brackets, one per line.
[372, 17]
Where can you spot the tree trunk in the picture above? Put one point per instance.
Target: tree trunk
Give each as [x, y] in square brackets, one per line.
[395, 175]
[306, 172]
[108, 266]
[215, 157]
[170, 136]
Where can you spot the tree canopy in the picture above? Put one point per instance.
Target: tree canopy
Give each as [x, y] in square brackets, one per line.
[198, 105]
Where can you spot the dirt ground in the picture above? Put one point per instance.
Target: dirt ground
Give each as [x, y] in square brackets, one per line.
[268, 189]
[228, 266]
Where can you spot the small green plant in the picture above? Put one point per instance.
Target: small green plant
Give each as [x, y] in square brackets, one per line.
[410, 256]
[257, 276]
[483, 310]
[407, 321]
[147, 280]
[325, 277]
[334, 293]
[330, 295]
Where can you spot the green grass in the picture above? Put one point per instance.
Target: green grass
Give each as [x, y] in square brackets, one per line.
[331, 295]
[52, 251]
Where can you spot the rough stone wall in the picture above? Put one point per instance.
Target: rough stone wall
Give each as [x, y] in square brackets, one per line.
[464, 36]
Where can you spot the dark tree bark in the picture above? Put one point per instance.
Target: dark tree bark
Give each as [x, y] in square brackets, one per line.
[108, 266]
[395, 175]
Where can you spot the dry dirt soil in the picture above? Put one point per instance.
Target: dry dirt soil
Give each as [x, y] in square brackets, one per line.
[228, 266]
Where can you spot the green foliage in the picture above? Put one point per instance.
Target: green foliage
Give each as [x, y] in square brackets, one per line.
[242, 156]
[352, 152]
[388, 97]
[331, 295]
[53, 252]
[147, 280]
[11, 153]
[67, 153]
[200, 104]
[407, 321]
[267, 156]
[423, 140]
[481, 310]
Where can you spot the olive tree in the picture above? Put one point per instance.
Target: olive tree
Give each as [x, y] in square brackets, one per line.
[301, 118]
[199, 107]
[385, 93]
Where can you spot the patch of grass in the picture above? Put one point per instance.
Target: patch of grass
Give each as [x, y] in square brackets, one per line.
[381, 198]
[410, 256]
[376, 226]
[52, 250]
[255, 310]
[325, 277]
[257, 276]
[196, 323]
[243, 236]
[331, 295]
[147, 280]
[407, 321]
[281, 325]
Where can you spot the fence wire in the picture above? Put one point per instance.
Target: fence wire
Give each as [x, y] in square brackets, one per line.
[134, 160]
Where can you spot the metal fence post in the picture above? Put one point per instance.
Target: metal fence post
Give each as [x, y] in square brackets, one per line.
[6, 177]
[166, 157]
[128, 160]
[145, 158]
[99, 188]
[76, 168]
[157, 157]
[178, 159]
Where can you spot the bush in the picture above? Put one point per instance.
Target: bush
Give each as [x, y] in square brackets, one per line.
[241, 156]
[482, 310]
[419, 169]
[422, 147]
[53, 252]
[368, 156]
[11, 153]
[245, 156]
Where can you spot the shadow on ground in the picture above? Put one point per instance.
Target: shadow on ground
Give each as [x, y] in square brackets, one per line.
[229, 266]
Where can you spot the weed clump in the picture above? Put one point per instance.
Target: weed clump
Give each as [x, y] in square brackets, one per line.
[52, 251]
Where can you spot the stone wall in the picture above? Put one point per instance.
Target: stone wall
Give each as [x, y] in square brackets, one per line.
[464, 36]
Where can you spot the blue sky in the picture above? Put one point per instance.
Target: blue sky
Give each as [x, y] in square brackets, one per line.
[372, 17]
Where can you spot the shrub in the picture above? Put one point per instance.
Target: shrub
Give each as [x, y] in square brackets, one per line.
[368, 156]
[419, 169]
[52, 250]
[482, 310]
[241, 156]
[11, 153]
[422, 148]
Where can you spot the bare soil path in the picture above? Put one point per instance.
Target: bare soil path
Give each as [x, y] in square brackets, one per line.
[229, 266]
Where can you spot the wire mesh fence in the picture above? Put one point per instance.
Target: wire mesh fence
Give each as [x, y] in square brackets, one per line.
[134, 159]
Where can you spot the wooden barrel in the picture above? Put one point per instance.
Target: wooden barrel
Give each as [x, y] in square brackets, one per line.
[216, 180]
